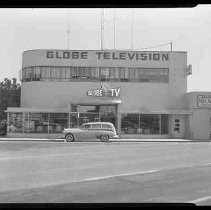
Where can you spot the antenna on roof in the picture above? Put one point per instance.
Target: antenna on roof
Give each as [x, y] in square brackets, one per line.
[68, 30]
[114, 28]
[132, 29]
[102, 29]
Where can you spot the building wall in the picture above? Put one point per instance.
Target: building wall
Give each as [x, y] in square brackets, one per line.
[201, 124]
[199, 121]
[134, 96]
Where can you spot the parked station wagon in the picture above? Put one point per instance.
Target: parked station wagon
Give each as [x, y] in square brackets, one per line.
[92, 130]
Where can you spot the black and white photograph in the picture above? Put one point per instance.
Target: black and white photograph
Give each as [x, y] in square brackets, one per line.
[105, 105]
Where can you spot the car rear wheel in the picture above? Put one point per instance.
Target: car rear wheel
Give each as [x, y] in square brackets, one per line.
[104, 138]
[69, 137]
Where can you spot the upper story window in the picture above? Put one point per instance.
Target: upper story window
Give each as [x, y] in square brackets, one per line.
[121, 74]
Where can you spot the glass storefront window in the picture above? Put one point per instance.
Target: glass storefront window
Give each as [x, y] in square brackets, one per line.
[16, 122]
[37, 123]
[149, 124]
[144, 124]
[130, 123]
[164, 124]
[88, 117]
[57, 122]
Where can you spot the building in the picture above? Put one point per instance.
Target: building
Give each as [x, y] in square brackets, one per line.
[143, 93]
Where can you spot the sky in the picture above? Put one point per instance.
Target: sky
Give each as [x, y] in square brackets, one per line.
[189, 29]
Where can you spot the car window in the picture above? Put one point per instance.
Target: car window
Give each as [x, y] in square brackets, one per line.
[107, 127]
[86, 126]
[96, 126]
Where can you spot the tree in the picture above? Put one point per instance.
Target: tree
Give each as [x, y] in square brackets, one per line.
[9, 96]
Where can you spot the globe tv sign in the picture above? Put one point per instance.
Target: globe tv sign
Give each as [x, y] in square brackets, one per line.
[105, 91]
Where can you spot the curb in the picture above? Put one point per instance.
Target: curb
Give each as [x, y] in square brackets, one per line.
[112, 140]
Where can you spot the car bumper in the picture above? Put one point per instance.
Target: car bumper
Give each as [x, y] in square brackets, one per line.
[115, 137]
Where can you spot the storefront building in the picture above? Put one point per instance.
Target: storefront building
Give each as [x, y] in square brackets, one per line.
[143, 93]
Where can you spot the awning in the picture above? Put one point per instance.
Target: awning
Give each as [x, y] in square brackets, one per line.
[20, 109]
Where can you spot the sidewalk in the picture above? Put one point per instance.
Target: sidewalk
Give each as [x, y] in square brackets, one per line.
[111, 140]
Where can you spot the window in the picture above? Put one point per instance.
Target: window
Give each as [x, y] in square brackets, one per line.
[144, 123]
[81, 72]
[55, 72]
[45, 72]
[149, 124]
[123, 74]
[74, 72]
[114, 74]
[130, 123]
[104, 73]
[24, 74]
[63, 72]
[88, 72]
[96, 126]
[133, 73]
[68, 72]
[96, 72]
[29, 73]
[86, 126]
[37, 74]
[57, 122]
[164, 124]
[107, 127]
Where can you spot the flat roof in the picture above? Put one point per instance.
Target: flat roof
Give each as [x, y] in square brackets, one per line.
[116, 50]
[199, 92]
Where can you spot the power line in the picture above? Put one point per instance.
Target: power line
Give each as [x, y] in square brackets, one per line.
[169, 43]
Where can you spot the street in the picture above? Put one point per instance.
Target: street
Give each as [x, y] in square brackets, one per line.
[95, 172]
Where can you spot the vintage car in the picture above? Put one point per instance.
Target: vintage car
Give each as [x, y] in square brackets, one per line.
[92, 130]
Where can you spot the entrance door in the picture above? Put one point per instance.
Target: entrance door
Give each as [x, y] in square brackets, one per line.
[108, 113]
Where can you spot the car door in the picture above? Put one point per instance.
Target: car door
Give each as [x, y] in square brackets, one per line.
[85, 132]
[95, 130]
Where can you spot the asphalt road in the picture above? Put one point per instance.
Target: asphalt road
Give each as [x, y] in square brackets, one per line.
[95, 172]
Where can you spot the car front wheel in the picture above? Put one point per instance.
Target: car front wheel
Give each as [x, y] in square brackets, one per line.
[104, 138]
[69, 137]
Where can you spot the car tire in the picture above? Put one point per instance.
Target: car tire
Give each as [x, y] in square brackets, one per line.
[69, 137]
[104, 138]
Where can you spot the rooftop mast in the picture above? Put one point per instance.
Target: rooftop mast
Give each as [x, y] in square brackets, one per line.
[102, 29]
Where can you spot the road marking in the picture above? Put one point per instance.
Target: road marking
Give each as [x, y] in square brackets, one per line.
[198, 200]
[118, 175]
